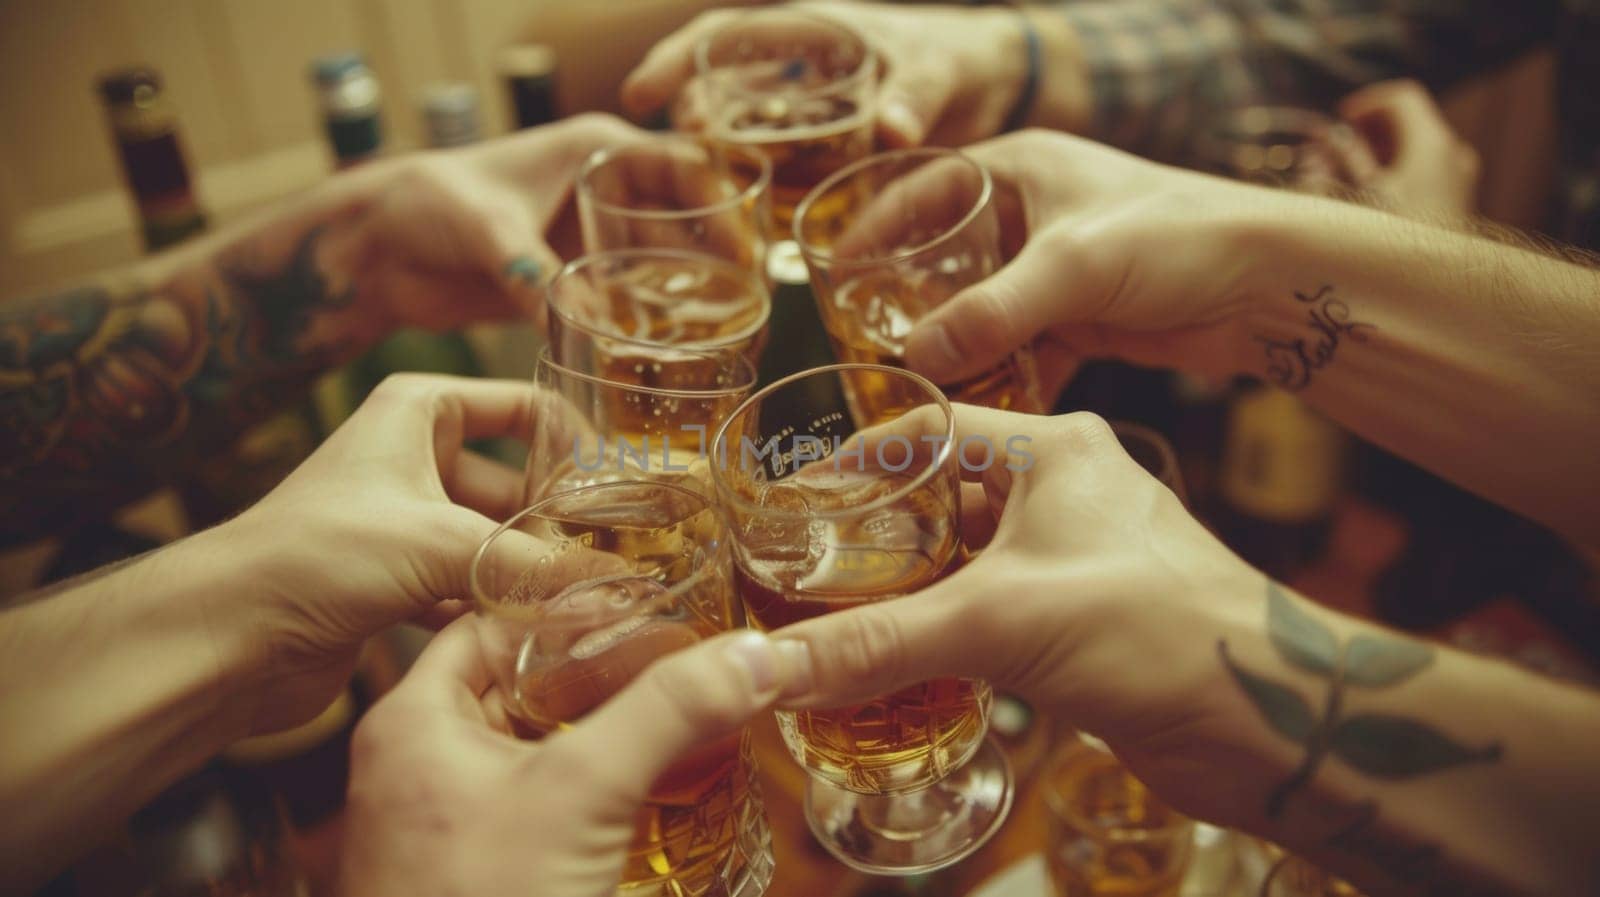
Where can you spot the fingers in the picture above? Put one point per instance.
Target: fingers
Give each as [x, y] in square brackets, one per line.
[439, 543]
[905, 207]
[978, 517]
[451, 409]
[442, 614]
[666, 68]
[686, 699]
[911, 101]
[1399, 119]
[873, 650]
[450, 674]
[484, 485]
[1424, 162]
[984, 323]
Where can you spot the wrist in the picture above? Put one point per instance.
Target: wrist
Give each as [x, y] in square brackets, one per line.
[221, 615]
[1065, 101]
[1286, 247]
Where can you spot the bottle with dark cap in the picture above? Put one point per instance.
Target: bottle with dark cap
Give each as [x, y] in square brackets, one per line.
[529, 71]
[348, 92]
[145, 128]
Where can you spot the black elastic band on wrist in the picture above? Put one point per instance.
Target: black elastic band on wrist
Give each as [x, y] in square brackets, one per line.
[1030, 82]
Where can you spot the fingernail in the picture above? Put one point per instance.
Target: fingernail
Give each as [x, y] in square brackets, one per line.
[929, 350]
[755, 652]
[525, 269]
[900, 119]
[798, 675]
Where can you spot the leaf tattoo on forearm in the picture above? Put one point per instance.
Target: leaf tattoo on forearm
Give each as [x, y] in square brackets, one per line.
[1382, 745]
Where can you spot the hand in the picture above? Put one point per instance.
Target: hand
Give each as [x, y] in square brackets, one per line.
[1122, 258]
[1098, 597]
[453, 237]
[443, 799]
[1417, 161]
[951, 76]
[379, 525]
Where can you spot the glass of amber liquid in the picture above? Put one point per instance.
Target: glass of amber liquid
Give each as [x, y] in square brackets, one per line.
[795, 86]
[578, 594]
[891, 238]
[677, 193]
[1108, 834]
[594, 430]
[828, 516]
[619, 311]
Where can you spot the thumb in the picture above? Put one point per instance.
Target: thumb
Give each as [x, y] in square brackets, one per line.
[876, 649]
[989, 320]
[910, 102]
[691, 697]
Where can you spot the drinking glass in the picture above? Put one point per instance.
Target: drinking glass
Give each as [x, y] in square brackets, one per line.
[826, 516]
[1279, 146]
[1108, 835]
[622, 311]
[1293, 876]
[889, 239]
[578, 594]
[1154, 453]
[795, 86]
[593, 430]
[677, 193]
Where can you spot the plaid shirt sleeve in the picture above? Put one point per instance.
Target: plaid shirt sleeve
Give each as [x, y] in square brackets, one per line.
[1161, 68]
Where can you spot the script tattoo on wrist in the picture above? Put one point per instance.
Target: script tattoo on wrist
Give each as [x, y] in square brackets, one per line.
[1383, 746]
[1292, 361]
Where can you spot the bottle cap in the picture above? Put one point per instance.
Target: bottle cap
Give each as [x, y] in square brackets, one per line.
[330, 69]
[132, 84]
[451, 114]
[527, 61]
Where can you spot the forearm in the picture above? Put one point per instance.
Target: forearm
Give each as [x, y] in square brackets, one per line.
[1472, 358]
[114, 387]
[1154, 73]
[1411, 770]
[115, 687]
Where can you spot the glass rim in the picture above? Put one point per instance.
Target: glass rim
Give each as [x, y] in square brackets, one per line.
[590, 259]
[726, 493]
[746, 368]
[1213, 144]
[824, 257]
[868, 66]
[484, 604]
[1058, 806]
[608, 154]
[1149, 436]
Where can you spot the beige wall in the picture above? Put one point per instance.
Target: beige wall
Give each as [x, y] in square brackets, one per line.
[238, 72]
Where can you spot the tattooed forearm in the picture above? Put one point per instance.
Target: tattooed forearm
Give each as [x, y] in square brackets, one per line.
[1292, 361]
[1382, 746]
[105, 393]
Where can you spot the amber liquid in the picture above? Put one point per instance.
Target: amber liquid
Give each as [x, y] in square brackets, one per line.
[675, 304]
[868, 319]
[806, 139]
[1146, 852]
[602, 633]
[901, 742]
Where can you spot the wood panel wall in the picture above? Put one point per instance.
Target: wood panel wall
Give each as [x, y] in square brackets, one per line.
[238, 72]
